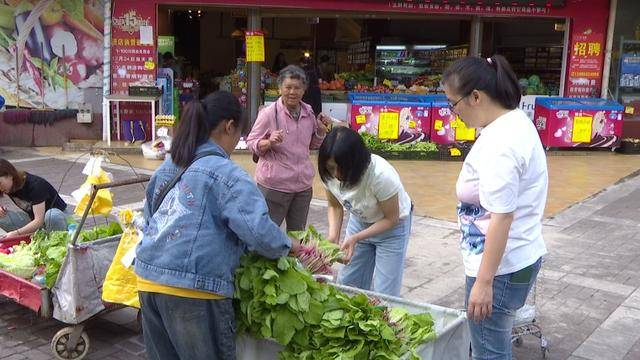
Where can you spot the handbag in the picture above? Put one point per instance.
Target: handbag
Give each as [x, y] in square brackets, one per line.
[256, 157]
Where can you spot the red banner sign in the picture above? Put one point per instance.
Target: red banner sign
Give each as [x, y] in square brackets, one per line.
[128, 55]
[585, 69]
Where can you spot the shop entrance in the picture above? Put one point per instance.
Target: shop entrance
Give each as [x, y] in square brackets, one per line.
[536, 51]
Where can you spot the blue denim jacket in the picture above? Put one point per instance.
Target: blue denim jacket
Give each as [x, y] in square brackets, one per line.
[211, 217]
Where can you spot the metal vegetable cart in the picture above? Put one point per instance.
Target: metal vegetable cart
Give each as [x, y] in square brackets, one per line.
[76, 296]
[452, 333]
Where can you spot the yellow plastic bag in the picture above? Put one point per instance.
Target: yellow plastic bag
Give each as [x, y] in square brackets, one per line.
[121, 284]
[103, 203]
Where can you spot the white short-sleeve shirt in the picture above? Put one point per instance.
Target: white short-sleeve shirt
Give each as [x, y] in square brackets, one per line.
[379, 183]
[505, 171]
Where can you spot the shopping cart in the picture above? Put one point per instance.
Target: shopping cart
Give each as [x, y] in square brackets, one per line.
[525, 323]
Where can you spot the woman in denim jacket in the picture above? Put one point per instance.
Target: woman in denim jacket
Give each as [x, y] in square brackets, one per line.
[192, 243]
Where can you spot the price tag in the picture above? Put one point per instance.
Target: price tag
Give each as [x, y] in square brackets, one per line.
[361, 119]
[437, 125]
[388, 125]
[463, 133]
[629, 110]
[581, 132]
[455, 152]
[255, 46]
[412, 124]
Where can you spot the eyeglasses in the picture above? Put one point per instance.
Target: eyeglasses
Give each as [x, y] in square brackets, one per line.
[453, 105]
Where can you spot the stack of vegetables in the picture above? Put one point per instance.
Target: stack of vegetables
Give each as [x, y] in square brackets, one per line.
[47, 251]
[316, 253]
[381, 146]
[280, 300]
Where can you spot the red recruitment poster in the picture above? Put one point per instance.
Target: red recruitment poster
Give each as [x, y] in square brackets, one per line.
[585, 71]
[131, 60]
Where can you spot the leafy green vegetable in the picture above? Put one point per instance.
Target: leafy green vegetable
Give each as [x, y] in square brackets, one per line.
[50, 248]
[280, 300]
[20, 262]
[375, 144]
[316, 253]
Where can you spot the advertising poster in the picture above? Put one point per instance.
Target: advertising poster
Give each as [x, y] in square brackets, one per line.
[60, 47]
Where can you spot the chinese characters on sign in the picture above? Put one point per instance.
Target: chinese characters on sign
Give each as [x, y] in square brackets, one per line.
[128, 55]
[493, 9]
[255, 46]
[585, 71]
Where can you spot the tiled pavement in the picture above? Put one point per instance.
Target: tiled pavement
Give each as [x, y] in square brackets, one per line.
[588, 296]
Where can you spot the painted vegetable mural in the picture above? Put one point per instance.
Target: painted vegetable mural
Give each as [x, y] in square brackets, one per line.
[50, 50]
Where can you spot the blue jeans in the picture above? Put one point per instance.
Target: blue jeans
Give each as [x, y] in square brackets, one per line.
[379, 258]
[54, 220]
[491, 337]
[178, 328]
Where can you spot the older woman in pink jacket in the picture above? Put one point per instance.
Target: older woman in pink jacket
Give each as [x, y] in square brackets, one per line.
[282, 136]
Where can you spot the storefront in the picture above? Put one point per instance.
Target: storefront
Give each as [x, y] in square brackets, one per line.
[367, 46]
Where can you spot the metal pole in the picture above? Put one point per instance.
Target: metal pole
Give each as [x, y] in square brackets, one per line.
[94, 193]
[106, 71]
[475, 43]
[254, 71]
[606, 71]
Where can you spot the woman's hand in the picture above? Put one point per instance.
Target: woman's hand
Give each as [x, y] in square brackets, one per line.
[347, 247]
[480, 301]
[276, 137]
[324, 122]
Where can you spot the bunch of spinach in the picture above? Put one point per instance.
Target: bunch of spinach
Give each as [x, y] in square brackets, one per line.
[316, 253]
[313, 320]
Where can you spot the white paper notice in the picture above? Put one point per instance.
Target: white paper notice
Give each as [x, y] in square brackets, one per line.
[146, 35]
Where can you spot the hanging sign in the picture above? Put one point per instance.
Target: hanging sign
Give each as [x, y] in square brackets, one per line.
[255, 46]
[388, 125]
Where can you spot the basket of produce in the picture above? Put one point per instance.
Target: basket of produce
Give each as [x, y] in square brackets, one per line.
[283, 312]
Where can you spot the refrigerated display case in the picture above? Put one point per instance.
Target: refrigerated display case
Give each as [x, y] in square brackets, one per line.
[402, 118]
[584, 122]
[447, 127]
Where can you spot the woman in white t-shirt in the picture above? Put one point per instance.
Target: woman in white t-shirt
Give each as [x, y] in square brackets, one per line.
[379, 208]
[502, 191]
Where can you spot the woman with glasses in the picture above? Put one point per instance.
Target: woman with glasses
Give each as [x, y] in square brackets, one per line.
[281, 137]
[502, 190]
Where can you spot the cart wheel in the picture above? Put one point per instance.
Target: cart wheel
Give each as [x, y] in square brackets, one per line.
[59, 345]
[518, 341]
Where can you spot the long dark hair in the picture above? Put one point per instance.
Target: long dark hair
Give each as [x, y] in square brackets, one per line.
[347, 149]
[197, 121]
[493, 75]
[18, 177]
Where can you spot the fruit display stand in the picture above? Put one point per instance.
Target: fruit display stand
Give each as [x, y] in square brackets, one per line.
[572, 122]
[403, 118]
[446, 127]
[452, 333]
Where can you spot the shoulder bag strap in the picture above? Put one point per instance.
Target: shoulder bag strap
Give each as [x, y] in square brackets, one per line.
[176, 178]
